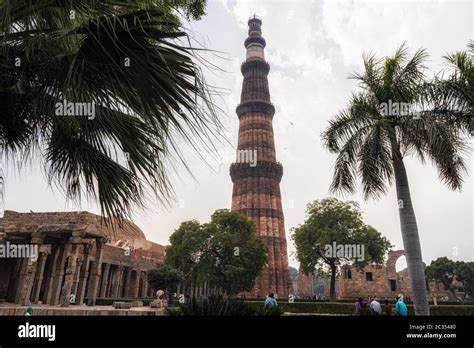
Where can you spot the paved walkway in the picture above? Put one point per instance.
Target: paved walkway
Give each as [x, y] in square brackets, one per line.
[41, 309]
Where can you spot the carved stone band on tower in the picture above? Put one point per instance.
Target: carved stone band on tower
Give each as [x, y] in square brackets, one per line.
[256, 190]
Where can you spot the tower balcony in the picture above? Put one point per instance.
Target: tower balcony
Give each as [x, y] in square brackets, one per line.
[255, 106]
[272, 170]
[255, 39]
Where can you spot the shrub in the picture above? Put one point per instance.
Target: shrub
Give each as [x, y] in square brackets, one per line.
[218, 306]
[348, 308]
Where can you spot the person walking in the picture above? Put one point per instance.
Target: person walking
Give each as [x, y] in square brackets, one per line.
[375, 306]
[401, 307]
[359, 306]
[270, 301]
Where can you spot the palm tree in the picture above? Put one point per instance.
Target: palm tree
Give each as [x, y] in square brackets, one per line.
[382, 125]
[455, 95]
[131, 66]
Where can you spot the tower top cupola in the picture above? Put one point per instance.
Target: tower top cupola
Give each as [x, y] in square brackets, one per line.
[255, 43]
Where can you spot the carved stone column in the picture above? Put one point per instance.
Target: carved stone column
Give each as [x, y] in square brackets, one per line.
[28, 270]
[145, 285]
[27, 274]
[135, 284]
[81, 290]
[48, 288]
[59, 275]
[39, 276]
[116, 285]
[95, 272]
[105, 281]
[77, 274]
[128, 275]
[71, 254]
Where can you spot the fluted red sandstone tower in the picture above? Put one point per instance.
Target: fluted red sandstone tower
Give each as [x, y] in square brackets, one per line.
[256, 174]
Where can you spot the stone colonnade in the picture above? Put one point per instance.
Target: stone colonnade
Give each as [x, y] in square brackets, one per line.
[70, 270]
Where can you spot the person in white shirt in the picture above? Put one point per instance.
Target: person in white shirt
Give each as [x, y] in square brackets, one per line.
[375, 306]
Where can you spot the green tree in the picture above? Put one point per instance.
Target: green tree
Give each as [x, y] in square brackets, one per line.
[235, 255]
[225, 253]
[372, 143]
[187, 244]
[443, 270]
[132, 62]
[465, 274]
[165, 278]
[333, 235]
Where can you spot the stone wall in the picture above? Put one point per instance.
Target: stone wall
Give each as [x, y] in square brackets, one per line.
[381, 281]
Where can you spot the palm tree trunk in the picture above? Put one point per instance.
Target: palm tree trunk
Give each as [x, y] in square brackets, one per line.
[411, 239]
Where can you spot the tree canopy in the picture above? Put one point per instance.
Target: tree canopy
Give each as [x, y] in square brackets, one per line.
[225, 253]
[334, 234]
[454, 275]
[164, 277]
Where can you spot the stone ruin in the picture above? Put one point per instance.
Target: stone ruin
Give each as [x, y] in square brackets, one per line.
[79, 258]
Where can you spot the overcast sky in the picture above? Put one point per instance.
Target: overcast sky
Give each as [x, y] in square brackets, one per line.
[312, 47]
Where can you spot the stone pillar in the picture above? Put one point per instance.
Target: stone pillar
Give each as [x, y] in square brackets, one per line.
[28, 270]
[145, 285]
[75, 282]
[81, 290]
[13, 284]
[39, 276]
[95, 272]
[58, 276]
[117, 282]
[71, 254]
[126, 288]
[48, 288]
[27, 274]
[105, 281]
[135, 284]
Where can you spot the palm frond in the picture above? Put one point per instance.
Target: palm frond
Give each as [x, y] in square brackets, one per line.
[128, 59]
[375, 163]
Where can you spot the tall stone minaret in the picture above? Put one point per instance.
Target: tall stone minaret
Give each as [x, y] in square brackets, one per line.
[256, 174]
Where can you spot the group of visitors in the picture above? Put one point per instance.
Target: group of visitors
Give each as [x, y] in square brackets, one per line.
[371, 306]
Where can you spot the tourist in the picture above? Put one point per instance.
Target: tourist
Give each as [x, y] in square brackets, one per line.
[160, 294]
[359, 306]
[401, 307]
[375, 306]
[270, 301]
[388, 307]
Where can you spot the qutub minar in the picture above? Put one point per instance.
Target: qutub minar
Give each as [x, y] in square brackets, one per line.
[256, 190]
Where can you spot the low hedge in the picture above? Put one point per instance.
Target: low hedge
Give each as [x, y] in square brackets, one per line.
[454, 303]
[349, 308]
[316, 307]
